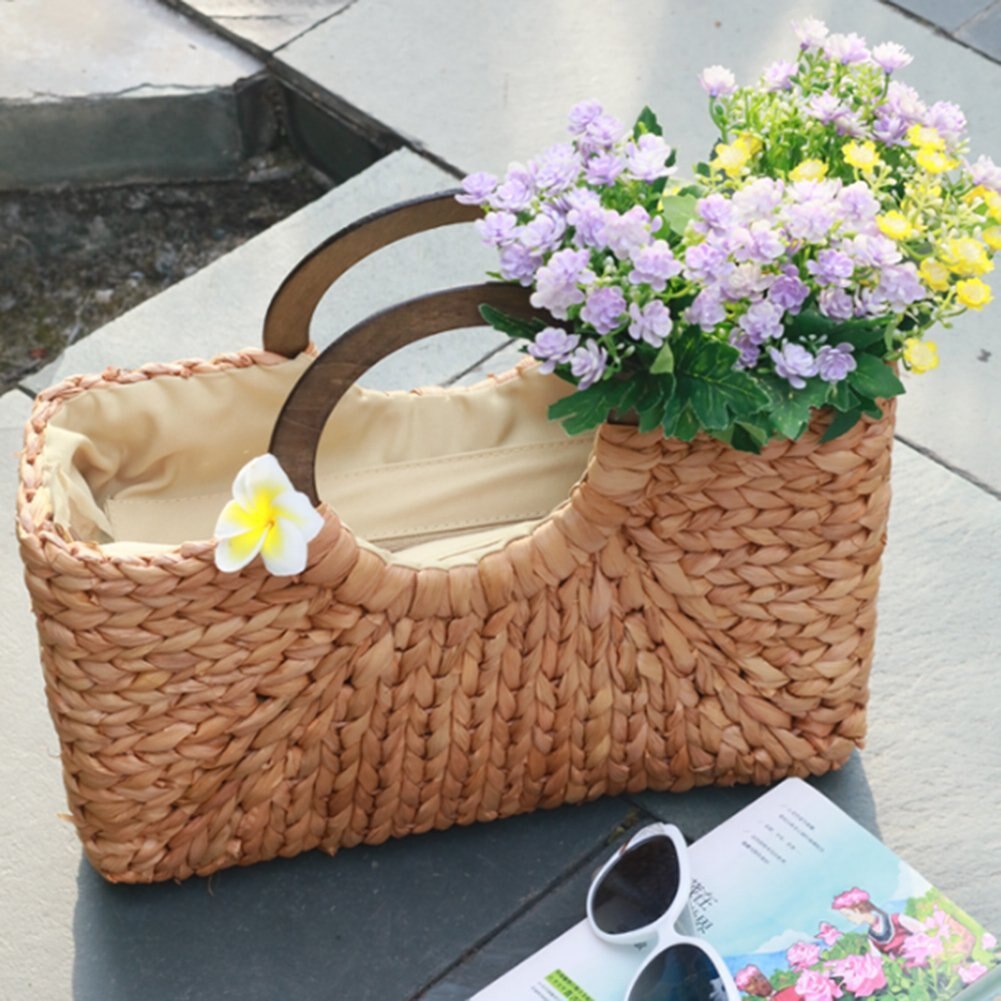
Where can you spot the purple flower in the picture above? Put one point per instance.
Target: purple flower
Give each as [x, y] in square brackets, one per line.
[715, 213]
[601, 134]
[811, 32]
[543, 233]
[589, 225]
[948, 119]
[625, 235]
[890, 57]
[646, 158]
[788, 291]
[603, 168]
[846, 49]
[759, 199]
[707, 309]
[762, 321]
[717, 81]
[836, 303]
[557, 169]
[857, 205]
[849, 124]
[553, 347]
[834, 364]
[706, 262]
[749, 351]
[652, 323]
[654, 266]
[825, 108]
[588, 364]
[477, 188]
[497, 229]
[831, 267]
[604, 308]
[518, 263]
[986, 172]
[557, 283]
[871, 250]
[903, 102]
[745, 281]
[793, 363]
[900, 285]
[888, 127]
[516, 191]
[778, 75]
[757, 242]
[810, 220]
[581, 115]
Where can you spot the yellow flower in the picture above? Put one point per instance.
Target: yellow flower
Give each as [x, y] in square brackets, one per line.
[990, 198]
[752, 142]
[992, 237]
[895, 225]
[862, 155]
[809, 170]
[268, 516]
[925, 137]
[732, 158]
[935, 274]
[934, 160]
[966, 257]
[973, 293]
[920, 356]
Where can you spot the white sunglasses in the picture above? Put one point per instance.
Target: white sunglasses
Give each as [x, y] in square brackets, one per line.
[639, 896]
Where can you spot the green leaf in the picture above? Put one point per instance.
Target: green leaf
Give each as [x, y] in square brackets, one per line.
[647, 122]
[678, 211]
[510, 325]
[748, 438]
[688, 425]
[718, 393]
[790, 408]
[842, 423]
[664, 362]
[650, 400]
[874, 378]
[702, 170]
[860, 334]
[842, 397]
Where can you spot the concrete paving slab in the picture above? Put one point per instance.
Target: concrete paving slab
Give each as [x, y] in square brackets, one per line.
[504, 78]
[948, 16]
[127, 89]
[265, 25]
[37, 911]
[222, 307]
[983, 31]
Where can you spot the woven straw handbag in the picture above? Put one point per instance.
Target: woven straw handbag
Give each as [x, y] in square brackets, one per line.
[495, 617]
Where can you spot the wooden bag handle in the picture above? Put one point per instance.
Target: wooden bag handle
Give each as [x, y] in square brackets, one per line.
[286, 324]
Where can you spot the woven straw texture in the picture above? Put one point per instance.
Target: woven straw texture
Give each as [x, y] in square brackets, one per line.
[691, 615]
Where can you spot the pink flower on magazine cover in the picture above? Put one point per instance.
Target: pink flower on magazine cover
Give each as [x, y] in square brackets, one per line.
[918, 949]
[803, 955]
[813, 986]
[989, 941]
[971, 972]
[828, 934]
[862, 975]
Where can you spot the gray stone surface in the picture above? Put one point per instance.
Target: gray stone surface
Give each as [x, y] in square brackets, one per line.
[122, 90]
[222, 307]
[948, 16]
[497, 83]
[983, 31]
[264, 24]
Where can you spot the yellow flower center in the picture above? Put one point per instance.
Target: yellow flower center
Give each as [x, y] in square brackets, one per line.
[895, 225]
[732, 158]
[973, 293]
[934, 161]
[861, 155]
[966, 257]
[925, 137]
[934, 274]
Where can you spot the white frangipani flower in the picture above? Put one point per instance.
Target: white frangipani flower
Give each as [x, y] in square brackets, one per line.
[268, 516]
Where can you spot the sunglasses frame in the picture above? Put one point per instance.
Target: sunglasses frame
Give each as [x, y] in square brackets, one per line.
[676, 926]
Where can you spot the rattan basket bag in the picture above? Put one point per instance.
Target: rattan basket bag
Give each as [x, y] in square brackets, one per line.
[494, 618]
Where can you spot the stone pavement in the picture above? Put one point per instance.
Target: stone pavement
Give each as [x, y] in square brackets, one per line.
[466, 86]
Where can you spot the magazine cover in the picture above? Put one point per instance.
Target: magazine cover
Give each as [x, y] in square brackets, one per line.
[804, 905]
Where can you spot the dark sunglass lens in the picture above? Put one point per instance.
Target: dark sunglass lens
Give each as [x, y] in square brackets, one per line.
[639, 888]
[681, 972]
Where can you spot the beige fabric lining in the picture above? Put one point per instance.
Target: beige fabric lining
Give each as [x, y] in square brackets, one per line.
[435, 476]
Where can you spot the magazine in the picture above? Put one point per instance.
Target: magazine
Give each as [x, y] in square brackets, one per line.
[804, 905]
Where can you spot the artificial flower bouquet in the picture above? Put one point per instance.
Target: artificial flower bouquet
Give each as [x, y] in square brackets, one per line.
[837, 221]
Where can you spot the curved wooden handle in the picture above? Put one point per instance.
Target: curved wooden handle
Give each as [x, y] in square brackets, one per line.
[286, 324]
[297, 431]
